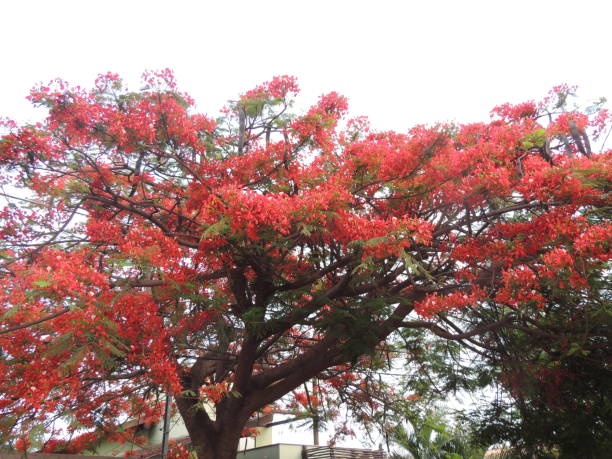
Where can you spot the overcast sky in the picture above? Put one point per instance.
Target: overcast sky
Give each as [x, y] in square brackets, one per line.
[399, 62]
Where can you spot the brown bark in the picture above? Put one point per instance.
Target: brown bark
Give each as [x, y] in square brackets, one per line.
[212, 439]
[225, 446]
[218, 436]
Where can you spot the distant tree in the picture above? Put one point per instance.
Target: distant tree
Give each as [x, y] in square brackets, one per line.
[430, 437]
[550, 368]
[146, 248]
[554, 370]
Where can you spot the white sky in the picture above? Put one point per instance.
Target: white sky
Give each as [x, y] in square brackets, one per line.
[399, 62]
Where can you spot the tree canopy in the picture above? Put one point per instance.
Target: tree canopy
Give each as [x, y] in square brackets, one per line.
[228, 261]
[554, 369]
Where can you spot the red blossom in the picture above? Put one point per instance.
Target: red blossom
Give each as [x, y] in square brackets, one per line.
[149, 248]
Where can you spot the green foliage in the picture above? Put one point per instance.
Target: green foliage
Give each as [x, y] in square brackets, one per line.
[535, 139]
[552, 377]
[430, 437]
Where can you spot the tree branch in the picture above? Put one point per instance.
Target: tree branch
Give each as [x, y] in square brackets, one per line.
[35, 322]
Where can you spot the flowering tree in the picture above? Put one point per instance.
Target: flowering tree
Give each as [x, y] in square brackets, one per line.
[552, 372]
[227, 262]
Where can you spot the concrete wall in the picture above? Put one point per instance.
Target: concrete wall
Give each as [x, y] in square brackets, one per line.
[264, 438]
[278, 451]
[49, 456]
[291, 451]
[177, 431]
[154, 435]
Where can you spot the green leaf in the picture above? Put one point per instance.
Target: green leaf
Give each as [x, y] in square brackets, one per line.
[254, 314]
[103, 355]
[41, 283]
[74, 360]
[123, 263]
[114, 350]
[375, 241]
[215, 229]
[11, 312]
[415, 266]
[60, 345]
[254, 107]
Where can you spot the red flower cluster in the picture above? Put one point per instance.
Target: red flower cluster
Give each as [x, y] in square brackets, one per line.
[145, 247]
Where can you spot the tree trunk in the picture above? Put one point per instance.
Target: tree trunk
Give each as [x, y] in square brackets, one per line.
[218, 452]
[223, 446]
[213, 439]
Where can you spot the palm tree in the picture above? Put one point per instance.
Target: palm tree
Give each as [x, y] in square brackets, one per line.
[429, 438]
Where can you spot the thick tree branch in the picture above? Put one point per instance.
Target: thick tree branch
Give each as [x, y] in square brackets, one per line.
[35, 322]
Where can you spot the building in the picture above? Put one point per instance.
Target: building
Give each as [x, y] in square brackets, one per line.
[265, 445]
[151, 435]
